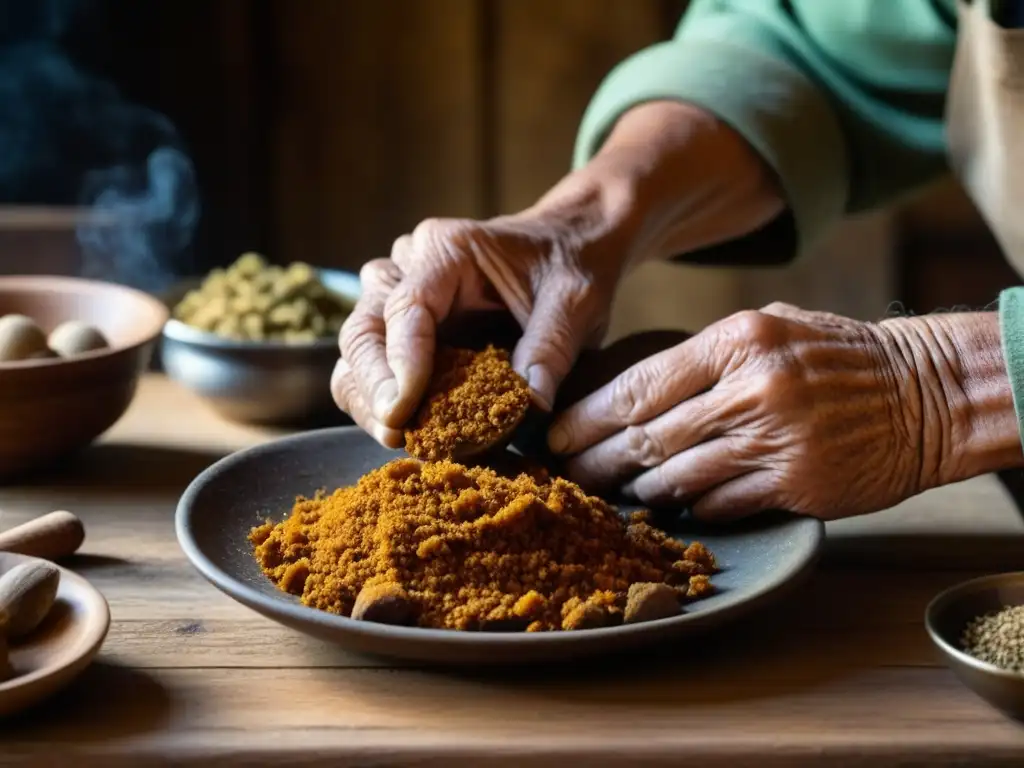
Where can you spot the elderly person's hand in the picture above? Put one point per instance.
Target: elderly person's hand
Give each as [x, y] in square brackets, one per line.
[806, 411]
[669, 179]
[545, 274]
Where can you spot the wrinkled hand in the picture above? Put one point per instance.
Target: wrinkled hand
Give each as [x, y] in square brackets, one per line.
[559, 291]
[776, 409]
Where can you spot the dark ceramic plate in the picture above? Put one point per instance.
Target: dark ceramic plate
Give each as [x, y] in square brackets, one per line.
[218, 509]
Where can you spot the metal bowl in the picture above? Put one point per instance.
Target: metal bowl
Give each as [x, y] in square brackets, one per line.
[946, 618]
[256, 382]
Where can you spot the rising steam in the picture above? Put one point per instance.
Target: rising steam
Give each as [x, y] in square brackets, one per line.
[68, 137]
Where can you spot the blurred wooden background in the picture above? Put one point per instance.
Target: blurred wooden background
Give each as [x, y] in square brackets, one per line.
[326, 128]
[323, 129]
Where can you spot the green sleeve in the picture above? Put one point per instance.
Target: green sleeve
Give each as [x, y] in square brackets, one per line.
[842, 98]
[1011, 331]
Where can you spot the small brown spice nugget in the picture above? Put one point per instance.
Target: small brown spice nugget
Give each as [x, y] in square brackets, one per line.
[472, 401]
[699, 586]
[384, 603]
[586, 615]
[647, 602]
[472, 549]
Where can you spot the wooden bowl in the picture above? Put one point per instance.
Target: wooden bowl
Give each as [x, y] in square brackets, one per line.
[61, 648]
[51, 408]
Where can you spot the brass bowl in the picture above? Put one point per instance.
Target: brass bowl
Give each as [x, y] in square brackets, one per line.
[946, 618]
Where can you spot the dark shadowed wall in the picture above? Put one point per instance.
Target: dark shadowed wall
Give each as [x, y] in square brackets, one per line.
[323, 129]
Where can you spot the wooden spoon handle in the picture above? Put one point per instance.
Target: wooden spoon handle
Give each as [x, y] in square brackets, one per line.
[51, 537]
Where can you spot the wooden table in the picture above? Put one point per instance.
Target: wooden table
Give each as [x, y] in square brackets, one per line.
[841, 675]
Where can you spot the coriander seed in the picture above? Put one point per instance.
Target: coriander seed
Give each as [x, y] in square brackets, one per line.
[997, 638]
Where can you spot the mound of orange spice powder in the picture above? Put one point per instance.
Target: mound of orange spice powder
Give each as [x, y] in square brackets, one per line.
[474, 398]
[438, 544]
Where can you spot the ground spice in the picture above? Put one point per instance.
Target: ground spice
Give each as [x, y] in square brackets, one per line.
[474, 399]
[468, 548]
[997, 638]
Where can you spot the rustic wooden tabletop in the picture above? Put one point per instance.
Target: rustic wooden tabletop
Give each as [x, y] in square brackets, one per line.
[841, 675]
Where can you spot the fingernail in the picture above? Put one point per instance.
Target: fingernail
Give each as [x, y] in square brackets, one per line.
[385, 398]
[389, 438]
[543, 387]
[558, 439]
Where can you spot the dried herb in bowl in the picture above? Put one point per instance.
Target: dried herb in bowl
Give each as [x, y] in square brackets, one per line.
[254, 301]
[997, 638]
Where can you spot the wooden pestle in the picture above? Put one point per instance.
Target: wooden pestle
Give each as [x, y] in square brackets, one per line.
[51, 537]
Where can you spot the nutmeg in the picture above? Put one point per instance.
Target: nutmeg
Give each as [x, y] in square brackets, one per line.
[20, 338]
[651, 601]
[27, 593]
[75, 338]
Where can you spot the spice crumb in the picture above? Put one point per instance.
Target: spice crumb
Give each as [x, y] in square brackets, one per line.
[474, 399]
[442, 545]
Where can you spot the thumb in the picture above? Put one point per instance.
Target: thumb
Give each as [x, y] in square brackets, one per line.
[556, 330]
[411, 315]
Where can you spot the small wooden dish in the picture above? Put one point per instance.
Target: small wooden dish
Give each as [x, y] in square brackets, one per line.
[61, 648]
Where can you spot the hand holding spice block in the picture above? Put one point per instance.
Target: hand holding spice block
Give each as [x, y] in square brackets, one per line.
[438, 544]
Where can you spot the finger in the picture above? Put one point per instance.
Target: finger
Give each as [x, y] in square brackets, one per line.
[380, 276]
[652, 443]
[412, 312]
[638, 394]
[553, 336]
[349, 399]
[692, 472]
[741, 497]
[362, 338]
[403, 254]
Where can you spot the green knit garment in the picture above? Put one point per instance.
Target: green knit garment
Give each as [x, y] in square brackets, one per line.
[844, 99]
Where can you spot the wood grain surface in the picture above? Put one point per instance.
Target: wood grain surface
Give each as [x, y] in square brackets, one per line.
[841, 675]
